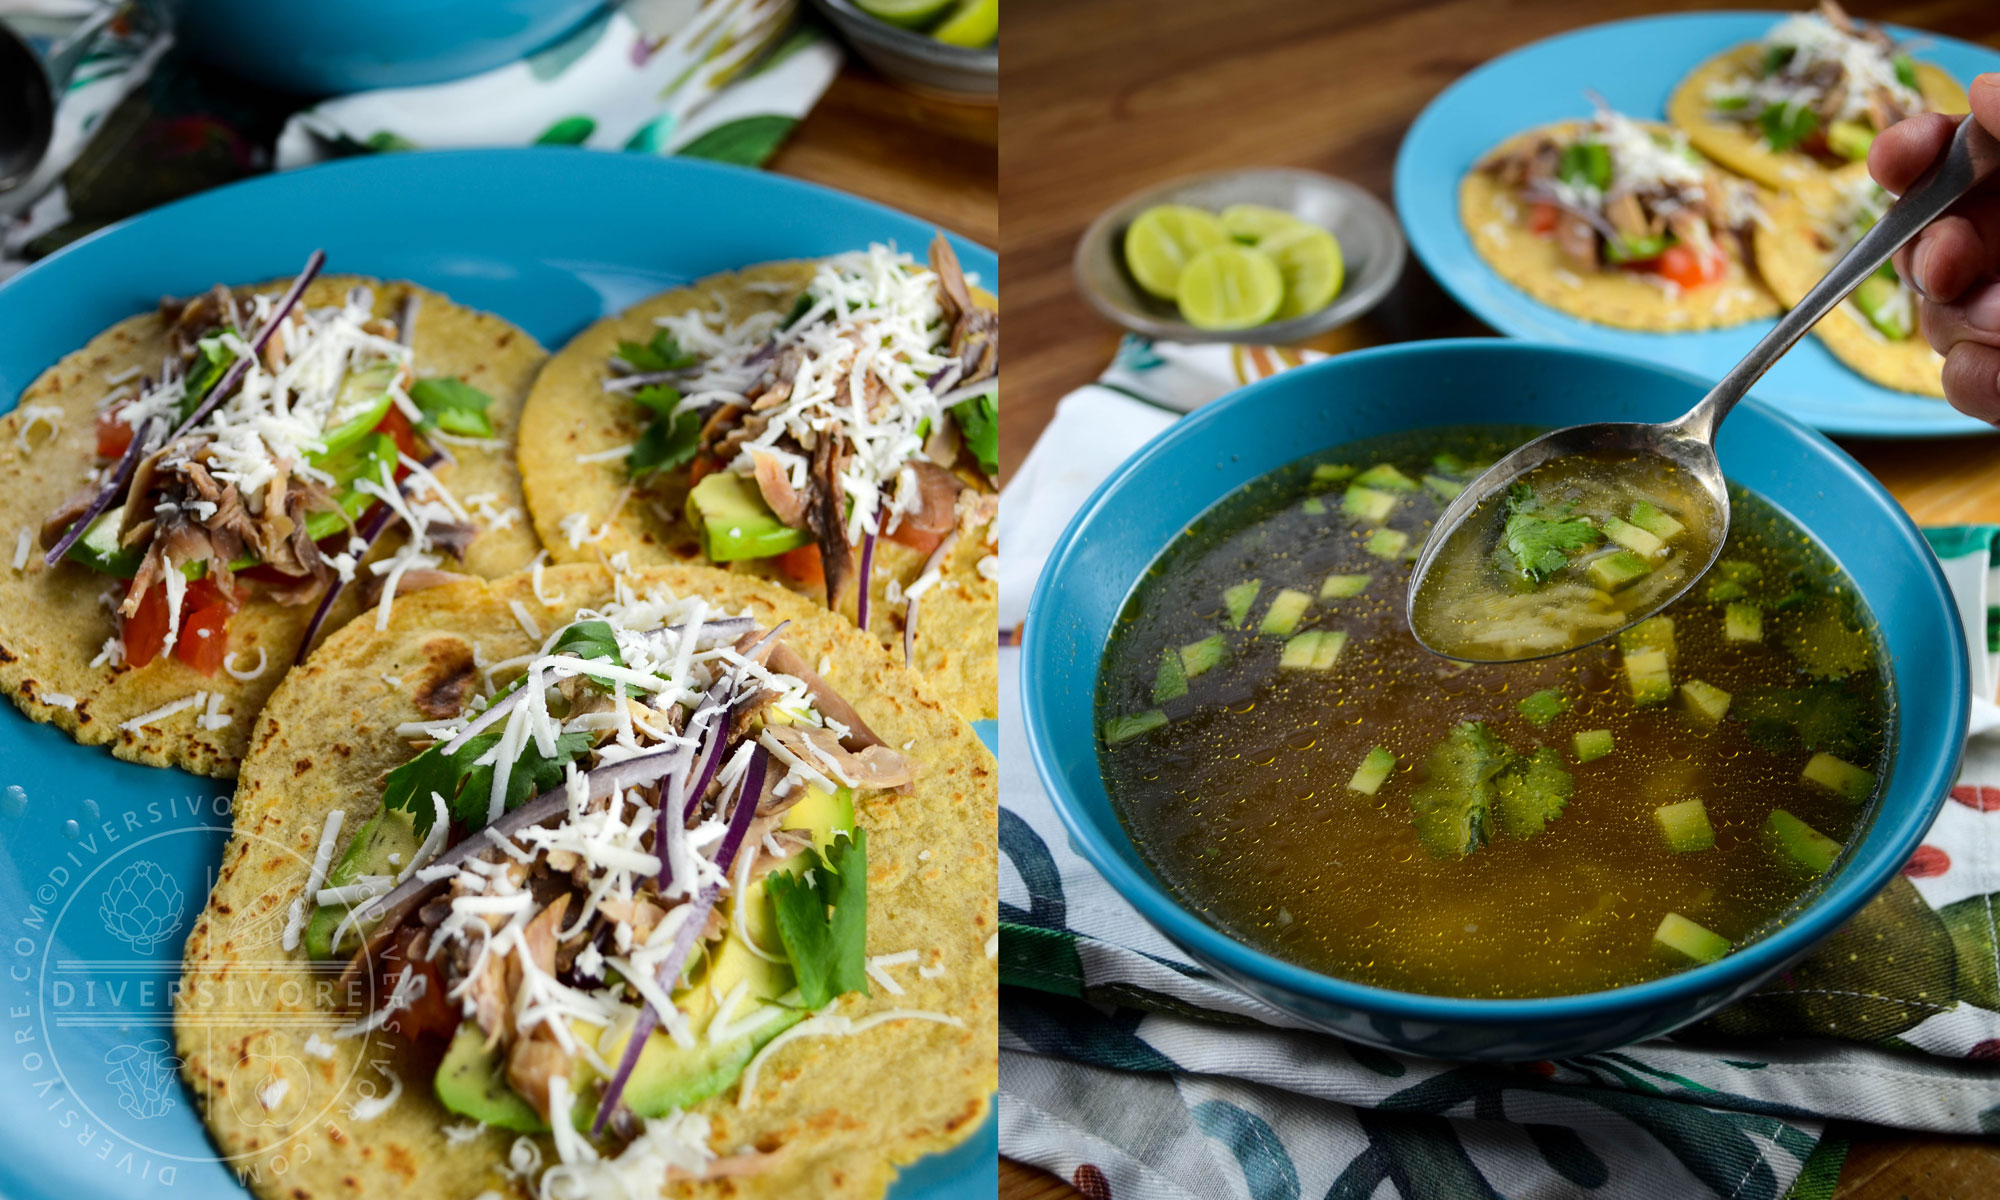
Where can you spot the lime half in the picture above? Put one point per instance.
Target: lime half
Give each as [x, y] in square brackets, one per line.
[1228, 286]
[974, 23]
[1161, 242]
[1252, 223]
[910, 14]
[1309, 259]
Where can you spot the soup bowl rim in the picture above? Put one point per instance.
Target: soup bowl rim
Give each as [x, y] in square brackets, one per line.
[1693, 991]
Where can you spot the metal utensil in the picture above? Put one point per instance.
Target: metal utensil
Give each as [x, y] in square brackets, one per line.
[1689, 441]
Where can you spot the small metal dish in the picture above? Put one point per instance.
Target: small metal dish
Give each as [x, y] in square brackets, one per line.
[916, 59]
[1371, 244]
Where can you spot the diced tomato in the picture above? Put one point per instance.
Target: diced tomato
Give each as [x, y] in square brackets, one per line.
[146, 629]
[703, 464]
[204, 636]
[1542, 218]
[204, 606]
[803, 564]
[114, 436]
[397, 426]
[922, 541]
[1687, 267]
[430, 1014]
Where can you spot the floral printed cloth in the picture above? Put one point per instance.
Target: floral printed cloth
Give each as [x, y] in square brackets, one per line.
[1136, 1074]
[140, 124]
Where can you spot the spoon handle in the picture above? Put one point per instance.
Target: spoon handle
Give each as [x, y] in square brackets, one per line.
[1971, 157]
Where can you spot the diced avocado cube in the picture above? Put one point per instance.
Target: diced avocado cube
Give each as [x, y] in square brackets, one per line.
[1632, 537]
[1737, 571]
[1686, 825]
[1342, 587]
[1678, 933]
[1387, 543]
[1373, 772]
[1201, 656]
[1743, 623]
[1592, 744]
[1648, 676]
[1850, 139]
[1287, 607]
[1333, 473]
[1385, 477]
[1801, 842]
[1649, 518]
[1839, 777]
[1451, 464]
[1653, 633]
[1313, 650]
[1238, 599]
[1314, 506]
[1722, 591]
[1616, 570]
[1882, 300]
[1705, 700]
[1170, 682]
[1124, 729]
[1368, 504]
[1444, 489]
[1544, 706]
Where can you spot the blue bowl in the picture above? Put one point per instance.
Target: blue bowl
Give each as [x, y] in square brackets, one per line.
[318, 47]
[1151, 498]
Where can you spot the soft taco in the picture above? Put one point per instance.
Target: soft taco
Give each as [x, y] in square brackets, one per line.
[1807, 98]
[197, 491]
[1618, 222]
[1874, 331]
[570, 878]
[813, 423]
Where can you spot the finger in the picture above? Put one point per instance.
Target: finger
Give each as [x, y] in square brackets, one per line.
[1985, 96]
[1944, 260]
[1901, 152]
[1973, 321]
[1972, 380]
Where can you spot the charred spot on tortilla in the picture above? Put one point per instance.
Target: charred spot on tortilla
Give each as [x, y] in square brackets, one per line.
[449, 675]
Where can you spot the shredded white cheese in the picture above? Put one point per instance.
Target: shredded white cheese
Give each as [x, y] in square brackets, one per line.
[23, 543]
[164, 711]
[329, 833]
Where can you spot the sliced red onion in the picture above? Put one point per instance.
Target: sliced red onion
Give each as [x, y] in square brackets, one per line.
[690, 929]
[113, 487]
[867, 577]
[677, 796]
[371, 527]
[234, 375]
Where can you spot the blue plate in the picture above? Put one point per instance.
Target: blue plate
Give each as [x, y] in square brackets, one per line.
[1635, 66]
[106, 864]
[1186, 470]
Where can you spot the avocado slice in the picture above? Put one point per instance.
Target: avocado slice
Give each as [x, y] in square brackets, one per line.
[729, 513]
[1880, 299]
[99, 550]
[388, 832]
[472, 1081]
[365, 395]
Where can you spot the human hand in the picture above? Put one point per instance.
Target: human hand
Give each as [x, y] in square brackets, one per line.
[1954, 264]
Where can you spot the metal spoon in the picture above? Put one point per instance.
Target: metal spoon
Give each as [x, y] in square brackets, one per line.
[1689, 441]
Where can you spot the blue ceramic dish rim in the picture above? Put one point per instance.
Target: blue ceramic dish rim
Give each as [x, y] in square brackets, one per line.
[1839, 900]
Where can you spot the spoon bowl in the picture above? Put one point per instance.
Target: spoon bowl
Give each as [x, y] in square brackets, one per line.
[1689, 442]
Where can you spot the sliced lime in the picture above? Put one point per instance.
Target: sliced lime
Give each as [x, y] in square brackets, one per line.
[974, 23]
[1309, 259]
[1162, 240]
[910, 14]
[1228, 286]
[1252, 223]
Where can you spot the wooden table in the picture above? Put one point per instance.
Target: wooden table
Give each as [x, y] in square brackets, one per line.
[1104, 97]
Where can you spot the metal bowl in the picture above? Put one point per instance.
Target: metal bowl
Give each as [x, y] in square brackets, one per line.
[1371, 243]
[917, 59]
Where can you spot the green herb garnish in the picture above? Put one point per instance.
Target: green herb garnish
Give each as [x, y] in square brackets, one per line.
[822, 913]
[1541, 539]
[663, 353]
[979, 424]
[453, 405]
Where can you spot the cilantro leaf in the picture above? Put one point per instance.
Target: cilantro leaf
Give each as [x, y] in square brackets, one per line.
[1819, 716]
[466, 788]
[660, 399]
[453, 405]
[667, 443]
[824, 922]
[1540, 539]
[1786, 125]
[663, 353]
[591, 641]
[1586, 163]
[979, 424]
[800, 308]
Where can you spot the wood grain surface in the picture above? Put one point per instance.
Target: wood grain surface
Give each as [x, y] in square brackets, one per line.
[1104, 97]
